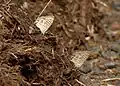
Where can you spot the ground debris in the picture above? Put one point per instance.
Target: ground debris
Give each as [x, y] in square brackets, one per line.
[82, 46]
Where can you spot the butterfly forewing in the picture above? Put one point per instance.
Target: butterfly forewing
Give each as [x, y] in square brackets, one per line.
[79, 57]
[44, 22]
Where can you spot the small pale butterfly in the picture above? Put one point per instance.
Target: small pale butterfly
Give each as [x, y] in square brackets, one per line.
[79, 57]
[44, 23]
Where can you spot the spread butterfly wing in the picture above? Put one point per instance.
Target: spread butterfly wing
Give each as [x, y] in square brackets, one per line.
[44, 23]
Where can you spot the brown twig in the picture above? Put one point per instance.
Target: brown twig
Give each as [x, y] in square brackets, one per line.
[66, 32]
[13, 55]
[110, 79]
[44, 8]
[79, 82]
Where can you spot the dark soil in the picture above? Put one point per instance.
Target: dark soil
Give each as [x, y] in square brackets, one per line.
[29, 58]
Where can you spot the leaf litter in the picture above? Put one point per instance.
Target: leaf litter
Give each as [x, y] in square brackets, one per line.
[53, 59]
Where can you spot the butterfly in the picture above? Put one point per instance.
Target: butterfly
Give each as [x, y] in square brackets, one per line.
[79, 57]
[44, 22]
